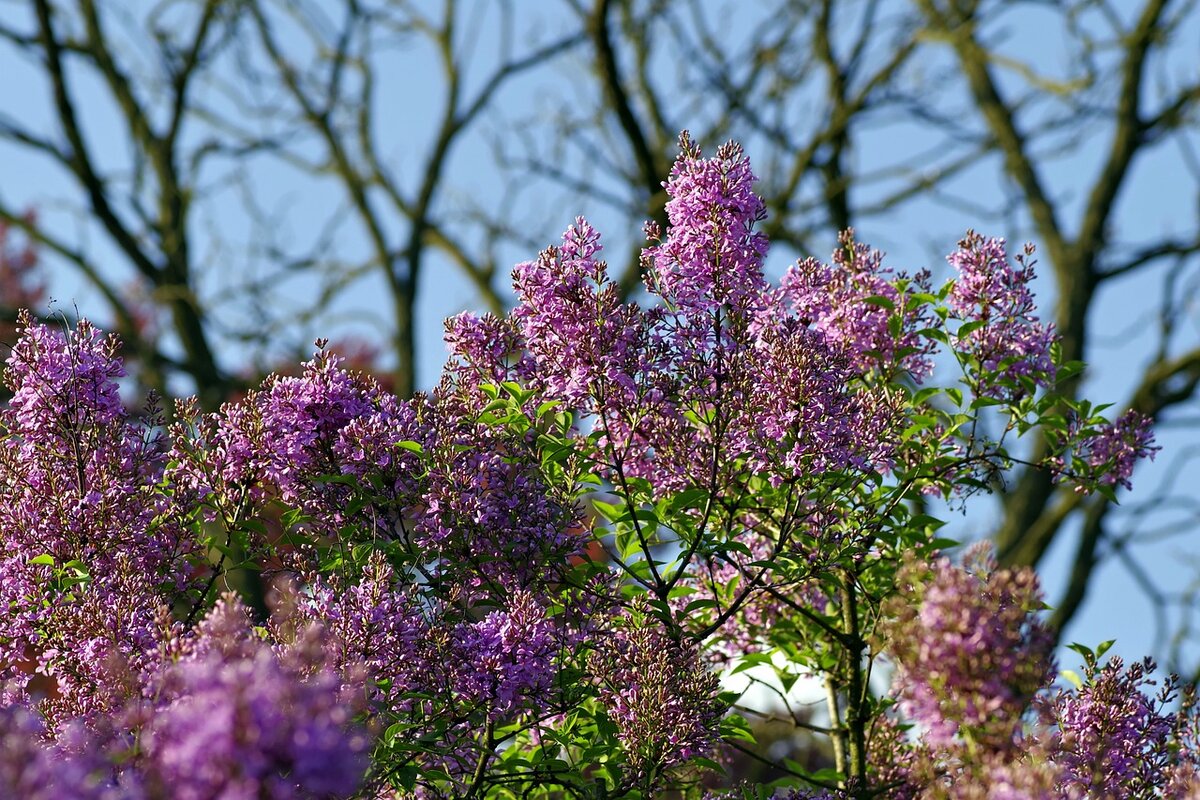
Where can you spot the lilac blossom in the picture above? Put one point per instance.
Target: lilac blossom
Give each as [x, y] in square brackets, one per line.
[64, 380]
[232, 720]
[508, 657]
[800, 413]
[34, 769]
[92, 546]
[414, 646]
[487, 515]
[970, 652]
[307, 413]
[851, 302]
[485, 348]
[1114, 736]
[708, 272]
[713, 256]
[587, 345]
[1118, 447]
[376, 622]
[291, 439]
[660, 694]
[607, 359]
[992, 294]
[417, 644]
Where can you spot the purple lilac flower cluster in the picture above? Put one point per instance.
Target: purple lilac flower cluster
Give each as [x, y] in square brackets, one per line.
[222, 716]
[485, 348]
[62, 381]
[1114, 735]
[970, 653]
[996, 300]
[584, 340]
[974, 671]
[721, 347]
[288, 439]
[487, 515]
[713, 256]
[602, 356]
[233, 719]
[1117, 449]
[660, 694]
[800, 413]
[507, 658]
[502, 663]
[375, 622]
[1099, 453]
[32, 769]
[851, 303]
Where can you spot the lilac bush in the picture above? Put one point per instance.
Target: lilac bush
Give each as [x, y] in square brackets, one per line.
[533, 580]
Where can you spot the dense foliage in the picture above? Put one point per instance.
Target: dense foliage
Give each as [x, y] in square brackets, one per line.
[531, 581]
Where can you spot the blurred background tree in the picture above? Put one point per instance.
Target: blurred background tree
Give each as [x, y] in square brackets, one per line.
[227, 179]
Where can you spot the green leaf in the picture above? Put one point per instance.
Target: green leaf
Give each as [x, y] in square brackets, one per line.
[44, 558]
[291, 518]
[404, 777]
[936, 334]
[1083, 650]
[924, 394]
[983, 401]
[708, 763]
[827, 775]
[967, 328]
[609, 511]
[697, 605]
[735, 727]
[882, 302]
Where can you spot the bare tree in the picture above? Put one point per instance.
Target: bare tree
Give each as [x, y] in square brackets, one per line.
[144, 207]
[208, 97]
[335, 101]
[1112, 90]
